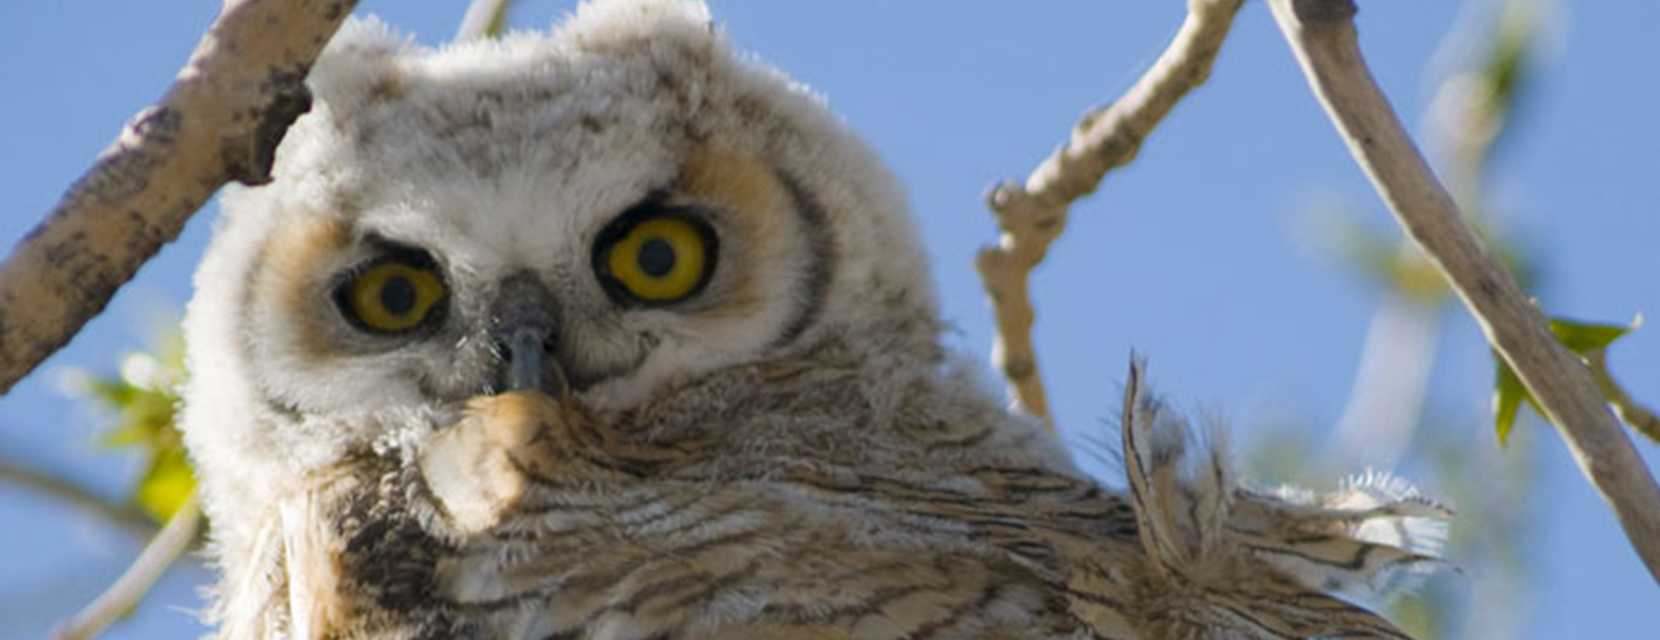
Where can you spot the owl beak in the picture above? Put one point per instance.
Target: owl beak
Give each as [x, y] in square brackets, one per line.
[525, 327]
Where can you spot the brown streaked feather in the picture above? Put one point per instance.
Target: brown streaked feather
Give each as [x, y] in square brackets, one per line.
[613, 536]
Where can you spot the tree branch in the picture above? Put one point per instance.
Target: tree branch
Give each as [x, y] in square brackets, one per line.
[1032, 215]
[129, 589]
[1322, 36]
[220, 121]
[129, 518]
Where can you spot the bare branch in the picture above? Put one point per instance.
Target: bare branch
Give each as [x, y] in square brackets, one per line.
[484, 19]
[129, 589]
[1322, 36]
[129, 518]
[220, 121]
[1032, 215]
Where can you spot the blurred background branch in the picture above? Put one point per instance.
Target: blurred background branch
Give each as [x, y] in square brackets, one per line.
[484, 19]
[126, 516]
[125, 594]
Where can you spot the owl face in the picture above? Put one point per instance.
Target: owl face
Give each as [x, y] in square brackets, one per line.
[606, 212]
[673, 257]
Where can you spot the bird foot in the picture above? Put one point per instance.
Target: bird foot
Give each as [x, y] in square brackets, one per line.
[479, 468]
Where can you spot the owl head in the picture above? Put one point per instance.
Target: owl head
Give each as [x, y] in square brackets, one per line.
[606, 211]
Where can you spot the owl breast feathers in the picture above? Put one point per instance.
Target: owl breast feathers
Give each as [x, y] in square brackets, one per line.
[614, 333]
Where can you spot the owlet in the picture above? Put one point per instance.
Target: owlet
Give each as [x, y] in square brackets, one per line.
[615, 333]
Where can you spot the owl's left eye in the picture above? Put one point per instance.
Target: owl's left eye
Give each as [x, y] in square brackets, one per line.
[393, 295]
[655, 257]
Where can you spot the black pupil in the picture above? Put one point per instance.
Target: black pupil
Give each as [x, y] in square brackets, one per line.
[397, 295]
[656, 257]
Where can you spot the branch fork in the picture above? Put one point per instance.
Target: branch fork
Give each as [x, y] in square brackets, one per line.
[1032, 215]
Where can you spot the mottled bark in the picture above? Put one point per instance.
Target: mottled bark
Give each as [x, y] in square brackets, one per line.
[220, 121]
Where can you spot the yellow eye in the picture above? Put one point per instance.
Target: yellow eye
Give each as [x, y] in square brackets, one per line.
[393, 296]
[658, 260]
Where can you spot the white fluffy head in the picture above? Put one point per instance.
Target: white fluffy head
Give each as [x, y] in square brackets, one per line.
[496, 158]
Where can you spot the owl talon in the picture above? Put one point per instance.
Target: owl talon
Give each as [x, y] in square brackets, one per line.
[477, 468]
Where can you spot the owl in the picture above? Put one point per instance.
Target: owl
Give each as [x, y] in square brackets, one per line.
[613, 332]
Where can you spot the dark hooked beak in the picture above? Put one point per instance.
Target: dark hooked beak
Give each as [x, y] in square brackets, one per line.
[525, 328]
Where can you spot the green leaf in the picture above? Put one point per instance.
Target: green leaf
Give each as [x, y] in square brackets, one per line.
[112, 393]
[146, 405]
[126, 435]
[167, 483]
[146, 418]
[1386, 259]
[1508, 62]
[1508, 393]
[1584, 337]
[1579, 337]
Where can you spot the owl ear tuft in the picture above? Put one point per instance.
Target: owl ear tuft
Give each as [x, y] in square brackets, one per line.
[1179, 482]
[360, 63]
[605, 25]
[366, 37]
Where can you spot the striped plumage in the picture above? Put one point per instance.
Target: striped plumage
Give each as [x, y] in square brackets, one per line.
[653, 525]
[434, 395]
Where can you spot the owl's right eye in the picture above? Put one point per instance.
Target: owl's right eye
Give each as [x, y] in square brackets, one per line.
[651, 256]
[393, 295]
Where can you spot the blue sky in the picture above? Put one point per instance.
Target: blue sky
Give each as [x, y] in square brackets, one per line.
[1197, 255]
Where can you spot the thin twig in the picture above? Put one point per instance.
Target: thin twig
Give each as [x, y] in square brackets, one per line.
[129, 518]
[484, 19]
[220, 121]
[1321, 34]
[1629, 409]
[121, 597]
[1032, 215]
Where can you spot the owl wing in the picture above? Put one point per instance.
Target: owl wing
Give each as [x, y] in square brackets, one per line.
[1199, 526]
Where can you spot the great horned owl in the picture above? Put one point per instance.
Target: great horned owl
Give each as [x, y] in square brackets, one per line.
[614, 333]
